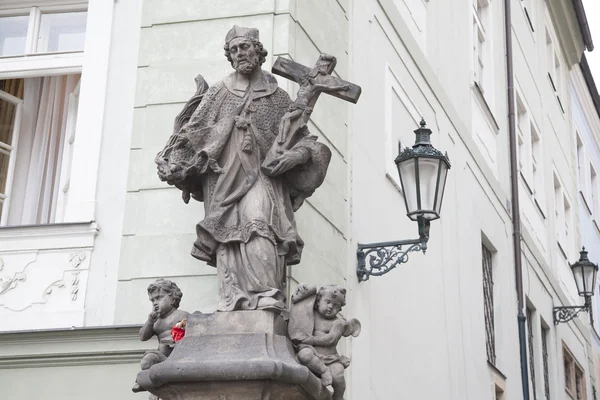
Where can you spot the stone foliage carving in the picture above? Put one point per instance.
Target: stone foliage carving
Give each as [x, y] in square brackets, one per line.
[316, 326]
[43, 289]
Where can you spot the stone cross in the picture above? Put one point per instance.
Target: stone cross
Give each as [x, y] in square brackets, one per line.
[295, 72]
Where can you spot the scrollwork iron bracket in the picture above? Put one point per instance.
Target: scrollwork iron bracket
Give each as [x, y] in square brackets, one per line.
[385, 256]
[567, 313]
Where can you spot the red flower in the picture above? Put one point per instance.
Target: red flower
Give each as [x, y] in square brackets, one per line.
[177, 333]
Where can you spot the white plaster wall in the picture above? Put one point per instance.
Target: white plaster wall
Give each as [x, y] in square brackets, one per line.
[427, 315]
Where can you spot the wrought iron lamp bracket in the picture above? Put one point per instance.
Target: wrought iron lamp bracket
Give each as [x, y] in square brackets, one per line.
[385, 256]
[567, 313]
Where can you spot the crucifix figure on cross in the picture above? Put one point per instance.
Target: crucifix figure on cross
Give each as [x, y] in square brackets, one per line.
[313, 82]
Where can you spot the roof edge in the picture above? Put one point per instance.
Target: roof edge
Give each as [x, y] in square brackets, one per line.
[583, 24]
[589, 81]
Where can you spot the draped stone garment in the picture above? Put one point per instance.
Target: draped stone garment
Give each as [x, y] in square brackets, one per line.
[249, 231]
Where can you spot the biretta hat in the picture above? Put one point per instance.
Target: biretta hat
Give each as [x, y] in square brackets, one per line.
[238, 31]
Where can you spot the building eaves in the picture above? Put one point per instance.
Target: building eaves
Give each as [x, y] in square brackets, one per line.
[583, 24]
[591, 85]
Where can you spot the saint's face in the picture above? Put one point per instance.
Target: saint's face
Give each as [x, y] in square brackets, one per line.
[329, 307]
[244, 57]
[162, 303]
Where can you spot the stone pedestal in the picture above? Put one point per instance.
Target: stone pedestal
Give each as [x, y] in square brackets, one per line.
[239, 355]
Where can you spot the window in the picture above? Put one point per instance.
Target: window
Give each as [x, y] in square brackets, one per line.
[530, 334]
[529, 10]
[562, 210]
[581, 164]
[530, 154]
[545, 332]
[554, 67]
[488, 304]
[482, 51]
[574, 376]
[594, 192]
[42, 32]
[38, 109]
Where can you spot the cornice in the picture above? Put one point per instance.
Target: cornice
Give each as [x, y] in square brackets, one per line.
[49, 236]
[72, 347]
[567, 27]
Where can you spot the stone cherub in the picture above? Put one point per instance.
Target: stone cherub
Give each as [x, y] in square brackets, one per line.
[165, 296]
[315, 328]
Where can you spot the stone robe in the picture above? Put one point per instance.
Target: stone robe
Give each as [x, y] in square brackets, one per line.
[249, 231]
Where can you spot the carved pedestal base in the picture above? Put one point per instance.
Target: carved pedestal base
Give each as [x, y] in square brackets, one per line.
[240, 355]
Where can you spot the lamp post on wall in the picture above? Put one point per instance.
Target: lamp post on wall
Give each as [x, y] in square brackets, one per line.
[423, 170]
[584, 273]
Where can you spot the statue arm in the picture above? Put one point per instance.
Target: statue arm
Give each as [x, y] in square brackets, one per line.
[147, 331]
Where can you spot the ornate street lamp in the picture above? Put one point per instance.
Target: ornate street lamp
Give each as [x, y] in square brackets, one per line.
[423, 170]
[584, 272]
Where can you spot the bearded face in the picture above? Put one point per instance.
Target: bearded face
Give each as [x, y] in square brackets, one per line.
[244, 57]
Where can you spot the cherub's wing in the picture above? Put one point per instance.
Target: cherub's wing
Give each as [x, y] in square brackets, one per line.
[353, 328]
[302, 319]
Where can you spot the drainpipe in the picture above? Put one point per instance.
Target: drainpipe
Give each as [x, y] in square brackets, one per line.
[516, 215]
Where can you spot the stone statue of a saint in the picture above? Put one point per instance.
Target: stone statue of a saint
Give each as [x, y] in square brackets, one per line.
[249, 231]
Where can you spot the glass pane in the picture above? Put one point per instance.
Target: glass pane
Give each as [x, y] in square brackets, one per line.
[589, 276]
[428, 171]
[13, 35]
[7, 121]
[442, 188]
[3, 171]
[409, 184]
[62, 32]
[578, 276]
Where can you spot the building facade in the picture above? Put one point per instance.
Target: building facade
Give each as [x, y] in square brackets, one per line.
[89, 93]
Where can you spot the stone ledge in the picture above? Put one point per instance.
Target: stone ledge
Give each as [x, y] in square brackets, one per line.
[48, 236]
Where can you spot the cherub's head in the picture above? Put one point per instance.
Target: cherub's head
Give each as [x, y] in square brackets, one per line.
[330, 300]
[165, 296]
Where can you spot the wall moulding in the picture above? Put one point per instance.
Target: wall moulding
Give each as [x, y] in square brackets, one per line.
[47, 237]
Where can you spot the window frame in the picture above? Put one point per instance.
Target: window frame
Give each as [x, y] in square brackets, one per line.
[572, 370]
[531, 166]
[95, 60]
[10, 150]
[487, 265]
[481, 42]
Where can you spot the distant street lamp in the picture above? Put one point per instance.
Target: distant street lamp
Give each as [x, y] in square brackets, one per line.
[423, 170]
[584, 273]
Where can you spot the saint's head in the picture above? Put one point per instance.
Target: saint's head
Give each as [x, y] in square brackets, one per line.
[165, 296]
[330, 300]
[243, 49]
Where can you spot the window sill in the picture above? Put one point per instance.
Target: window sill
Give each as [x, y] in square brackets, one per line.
[485, 105]
[45, 237]
[562, 251]
[587, 207]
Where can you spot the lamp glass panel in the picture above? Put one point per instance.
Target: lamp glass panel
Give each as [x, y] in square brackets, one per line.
[589, 273]
[442, 186]
[428, 174]
[578, 276]
[407, 172]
